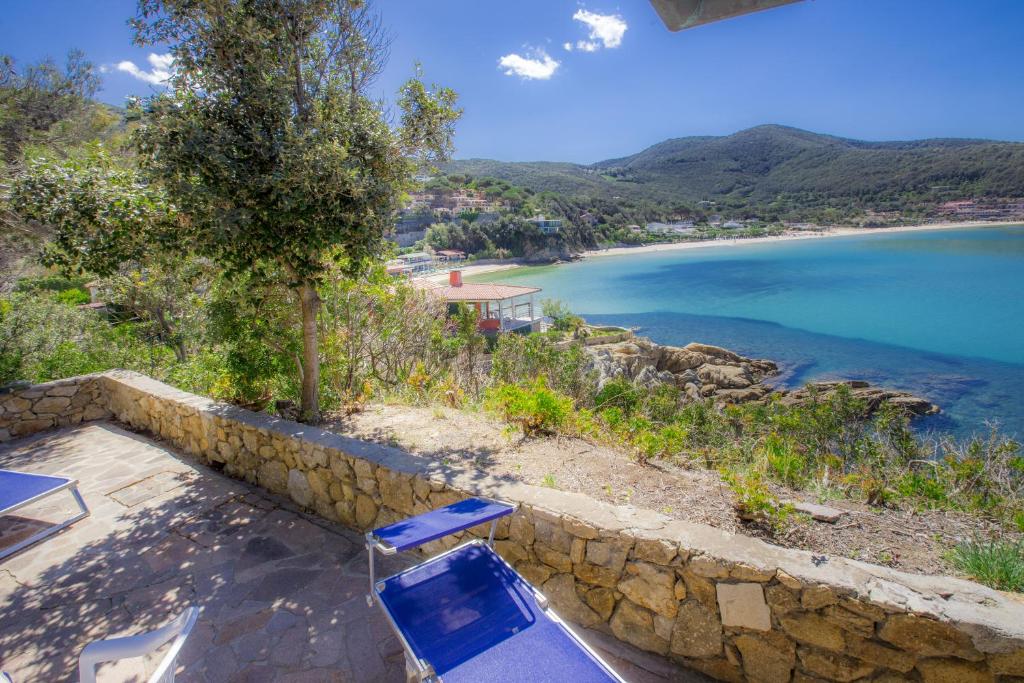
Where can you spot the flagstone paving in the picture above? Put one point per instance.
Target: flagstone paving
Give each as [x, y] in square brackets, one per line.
[282, 594]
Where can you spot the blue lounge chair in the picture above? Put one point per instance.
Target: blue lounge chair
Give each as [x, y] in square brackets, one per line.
[18, 489]
[466, 615]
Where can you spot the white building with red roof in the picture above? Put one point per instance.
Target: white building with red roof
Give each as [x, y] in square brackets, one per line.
[502, 308]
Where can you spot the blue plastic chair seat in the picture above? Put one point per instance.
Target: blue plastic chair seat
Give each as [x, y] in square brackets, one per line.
[473, 618]
[430, 526]
[18, 488]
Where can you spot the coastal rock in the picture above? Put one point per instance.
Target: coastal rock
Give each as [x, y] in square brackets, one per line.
[703, 371]
[645, 363]
[873, 397]
[715, 352]
[726, 376]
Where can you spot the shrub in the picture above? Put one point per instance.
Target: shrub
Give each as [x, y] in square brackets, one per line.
[662, 403]
[518, 358]
[73, 297]
[755, 502]
[619, 393]
[50, 283]
[783, 461]
[42, 339]
[659, 443]
[534, 408]
[564, 319]
[996, 563]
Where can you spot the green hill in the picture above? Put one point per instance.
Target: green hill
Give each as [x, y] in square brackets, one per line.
[784, 168]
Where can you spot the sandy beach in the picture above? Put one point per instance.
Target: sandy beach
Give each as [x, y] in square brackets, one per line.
[470, 270]
[792, 235]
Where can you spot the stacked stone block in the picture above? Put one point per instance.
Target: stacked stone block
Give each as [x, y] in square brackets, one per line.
[25, 410]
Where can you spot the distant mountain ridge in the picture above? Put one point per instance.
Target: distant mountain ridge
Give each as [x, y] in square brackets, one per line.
[772, 163]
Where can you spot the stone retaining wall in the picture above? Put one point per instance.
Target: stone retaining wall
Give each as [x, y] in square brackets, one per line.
[31, 409]
[615, 338]
[731, 606]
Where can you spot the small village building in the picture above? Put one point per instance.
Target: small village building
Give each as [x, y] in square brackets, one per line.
[450, 255]
[676, 228]
[398, 269]
[417, 261]
[548, 226]
[501, 308]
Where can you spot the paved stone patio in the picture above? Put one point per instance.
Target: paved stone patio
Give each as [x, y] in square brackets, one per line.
[282, 594]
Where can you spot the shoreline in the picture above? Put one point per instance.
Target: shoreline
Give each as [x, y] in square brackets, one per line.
[441, 277]
[792, 235]
[471, 270]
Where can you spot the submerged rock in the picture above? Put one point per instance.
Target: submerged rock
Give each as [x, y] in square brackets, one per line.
[706, 371]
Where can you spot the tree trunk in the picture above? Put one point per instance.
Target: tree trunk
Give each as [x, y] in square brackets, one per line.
[169, 337]
[310, 411]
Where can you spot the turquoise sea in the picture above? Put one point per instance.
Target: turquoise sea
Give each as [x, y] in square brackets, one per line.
[939, 312]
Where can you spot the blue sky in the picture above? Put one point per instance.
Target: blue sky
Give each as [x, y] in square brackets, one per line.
[870, 69]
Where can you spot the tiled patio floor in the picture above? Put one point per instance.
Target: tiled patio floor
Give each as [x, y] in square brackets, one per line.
[282, 595]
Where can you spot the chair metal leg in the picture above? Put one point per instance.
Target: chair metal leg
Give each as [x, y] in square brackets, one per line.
[490, 538]
[370, 552]
[46, 533]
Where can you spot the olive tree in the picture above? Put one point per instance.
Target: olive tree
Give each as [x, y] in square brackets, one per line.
[269, 146]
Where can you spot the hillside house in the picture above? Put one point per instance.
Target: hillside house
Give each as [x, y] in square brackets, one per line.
[547, 226]
[677, 228]
[449, 255]
[502, 308]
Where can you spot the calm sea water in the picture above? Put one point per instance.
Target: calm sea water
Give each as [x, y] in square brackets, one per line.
[939, 313]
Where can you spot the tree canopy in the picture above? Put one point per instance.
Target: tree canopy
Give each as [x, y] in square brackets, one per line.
[269, 146]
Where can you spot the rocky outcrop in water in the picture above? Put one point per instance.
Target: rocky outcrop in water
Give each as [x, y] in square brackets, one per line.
[872, 396]
[704, 371]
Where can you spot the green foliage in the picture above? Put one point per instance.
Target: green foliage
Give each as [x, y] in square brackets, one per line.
[508, 235]
[785, 463]
[33, 100]
[73, 297]
[777, 173]
[995, 563]
[46, 112]
[43, 339]
[533, 407]
[100, 215]
[390, 334]
[756, 502]
[272, 148]
[252, 327]
[827, 443]
[519, 358]
[49, 283]
[564, 319]
[166, 296]
[620, 394]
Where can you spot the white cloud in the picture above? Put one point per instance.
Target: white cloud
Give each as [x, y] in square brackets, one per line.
[567, 46]
[606, 30]
[162, 66]
[538, 65]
